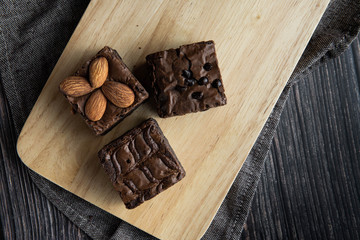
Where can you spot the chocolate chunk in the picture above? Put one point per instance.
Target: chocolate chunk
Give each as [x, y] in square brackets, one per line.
[216, 83]
[203, 81]
[186, 73]
[207, 66]
[141, 163]
[182, 66]
[190, 82]
[197, 95]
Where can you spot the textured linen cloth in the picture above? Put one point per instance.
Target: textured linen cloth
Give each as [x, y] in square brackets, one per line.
[34, 33]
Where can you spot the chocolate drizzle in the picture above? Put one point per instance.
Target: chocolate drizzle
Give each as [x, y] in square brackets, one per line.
[152, 168]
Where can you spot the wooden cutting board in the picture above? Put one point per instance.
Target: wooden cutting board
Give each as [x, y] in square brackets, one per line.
[258, 44]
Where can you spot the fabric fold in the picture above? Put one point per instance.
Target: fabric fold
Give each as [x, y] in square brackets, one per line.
[26, 27]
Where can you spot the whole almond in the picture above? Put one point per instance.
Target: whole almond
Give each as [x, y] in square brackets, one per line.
[118, 93]
[95, 106]
[75, 86]
[98, 72]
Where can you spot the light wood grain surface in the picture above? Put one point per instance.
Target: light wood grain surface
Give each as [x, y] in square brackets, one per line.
[258, 45]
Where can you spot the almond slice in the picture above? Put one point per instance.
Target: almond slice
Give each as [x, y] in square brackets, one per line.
[98, 71]
[95, 106]
[118, 93]
[75, 86]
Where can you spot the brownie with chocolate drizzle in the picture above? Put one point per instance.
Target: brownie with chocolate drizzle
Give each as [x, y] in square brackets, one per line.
[141, 163]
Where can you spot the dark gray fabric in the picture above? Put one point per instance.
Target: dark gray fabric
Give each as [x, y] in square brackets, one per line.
[32, 37]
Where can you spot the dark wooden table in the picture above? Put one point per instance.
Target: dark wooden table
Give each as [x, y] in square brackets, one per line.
[310, 187]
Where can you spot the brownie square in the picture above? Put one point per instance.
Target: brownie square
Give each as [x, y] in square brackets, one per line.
[141, 163]
[186, 79]
[111, 114]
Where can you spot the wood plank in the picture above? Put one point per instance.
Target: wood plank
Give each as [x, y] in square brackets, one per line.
[65, 150]
[25, 213]
[309, 188]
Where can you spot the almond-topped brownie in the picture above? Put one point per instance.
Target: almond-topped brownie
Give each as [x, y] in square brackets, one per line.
[186, 79]
[103, 91]
[141, 163]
